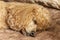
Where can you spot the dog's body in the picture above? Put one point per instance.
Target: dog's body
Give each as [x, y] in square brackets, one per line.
[25, 17]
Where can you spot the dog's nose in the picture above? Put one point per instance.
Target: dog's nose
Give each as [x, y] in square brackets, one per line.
[32, 34]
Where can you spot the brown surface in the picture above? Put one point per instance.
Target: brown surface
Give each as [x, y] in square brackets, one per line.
[12, 35]
[55, 15]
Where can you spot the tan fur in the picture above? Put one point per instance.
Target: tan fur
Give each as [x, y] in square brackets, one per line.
[22, 16]
[3, 15]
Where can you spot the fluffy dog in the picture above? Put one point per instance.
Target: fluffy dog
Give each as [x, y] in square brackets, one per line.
[27, 18]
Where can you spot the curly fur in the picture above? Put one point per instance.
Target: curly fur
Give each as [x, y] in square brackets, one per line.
[26, 17]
